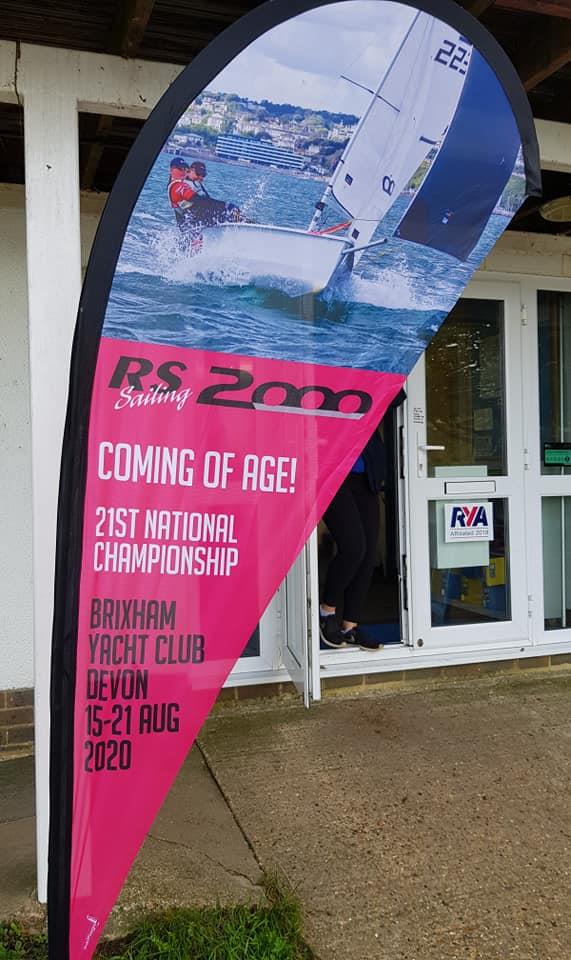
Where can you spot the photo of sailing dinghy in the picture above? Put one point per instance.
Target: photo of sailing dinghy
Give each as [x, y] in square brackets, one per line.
[360, 187]
[408, 116]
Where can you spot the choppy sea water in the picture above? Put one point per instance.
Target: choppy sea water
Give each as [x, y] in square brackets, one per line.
[381, 317]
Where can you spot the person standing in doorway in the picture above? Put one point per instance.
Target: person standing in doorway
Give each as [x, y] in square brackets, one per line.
[353, 519]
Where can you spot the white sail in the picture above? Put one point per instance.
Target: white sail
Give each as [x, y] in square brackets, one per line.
[408, 116]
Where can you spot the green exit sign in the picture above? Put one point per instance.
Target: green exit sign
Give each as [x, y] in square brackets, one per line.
[557, 454]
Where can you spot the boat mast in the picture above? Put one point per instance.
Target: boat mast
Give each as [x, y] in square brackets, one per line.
[328, 192]
[319, 208]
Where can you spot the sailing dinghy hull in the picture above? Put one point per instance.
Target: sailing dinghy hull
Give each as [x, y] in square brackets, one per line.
[297, 261]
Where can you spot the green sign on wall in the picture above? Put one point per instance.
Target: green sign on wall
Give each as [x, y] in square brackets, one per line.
[557, 454]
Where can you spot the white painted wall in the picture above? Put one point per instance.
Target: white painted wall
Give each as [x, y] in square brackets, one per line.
[16, 669]
[531, 254]
[16, 581]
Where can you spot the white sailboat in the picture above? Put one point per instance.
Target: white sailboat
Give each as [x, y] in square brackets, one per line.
[407, 117]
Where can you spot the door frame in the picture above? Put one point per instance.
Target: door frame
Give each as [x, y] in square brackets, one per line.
[538, 485]
[402, 466]
[302, 623]
[535, 640]
[422, 490]
[352, 661]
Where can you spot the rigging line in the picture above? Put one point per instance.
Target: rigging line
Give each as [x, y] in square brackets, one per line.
[334, 229]
[373, 92]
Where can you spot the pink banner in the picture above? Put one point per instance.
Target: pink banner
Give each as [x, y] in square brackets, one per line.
[281, 245]
[202, 467]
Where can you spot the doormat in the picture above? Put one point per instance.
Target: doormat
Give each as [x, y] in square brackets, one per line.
[384, 632]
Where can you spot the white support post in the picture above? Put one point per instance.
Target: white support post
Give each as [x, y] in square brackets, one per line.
[54, 285]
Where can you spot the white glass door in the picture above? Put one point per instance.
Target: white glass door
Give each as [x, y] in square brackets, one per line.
[403, 526]
[302, 623]
[466, 477]
[548, 412]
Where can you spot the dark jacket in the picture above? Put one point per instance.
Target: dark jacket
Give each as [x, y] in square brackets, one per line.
[375, 454]
[375, 457]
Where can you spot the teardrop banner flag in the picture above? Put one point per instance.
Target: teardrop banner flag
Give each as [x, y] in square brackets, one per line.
[297, 217]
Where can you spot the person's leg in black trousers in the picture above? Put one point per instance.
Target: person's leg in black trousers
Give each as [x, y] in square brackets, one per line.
[343, 521]
[353, 521]
[367, 505]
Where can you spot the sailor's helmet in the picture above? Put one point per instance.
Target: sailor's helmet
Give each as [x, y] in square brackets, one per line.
[179, 163]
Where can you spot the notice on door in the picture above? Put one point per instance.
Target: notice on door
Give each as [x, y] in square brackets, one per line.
[468, 521]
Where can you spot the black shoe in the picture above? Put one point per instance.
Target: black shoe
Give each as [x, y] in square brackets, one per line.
[330, 634]
[357, 637]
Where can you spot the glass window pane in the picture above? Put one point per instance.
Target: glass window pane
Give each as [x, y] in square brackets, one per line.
[252, 648]
[554, 333]
[475, 586]
[465, 392]
[556, 520]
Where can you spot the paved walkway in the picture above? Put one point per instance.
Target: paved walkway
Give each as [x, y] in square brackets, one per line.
[195, 853]
[432, 824]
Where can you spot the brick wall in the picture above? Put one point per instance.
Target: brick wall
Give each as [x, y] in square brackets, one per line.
[16, 719]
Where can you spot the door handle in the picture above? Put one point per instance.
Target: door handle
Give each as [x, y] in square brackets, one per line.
[421, 451]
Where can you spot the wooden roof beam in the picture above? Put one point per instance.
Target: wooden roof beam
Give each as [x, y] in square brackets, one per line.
[549, 8]
[549, 51]
[89, 171]
[206, 9]
[477, 7]
[129, 26]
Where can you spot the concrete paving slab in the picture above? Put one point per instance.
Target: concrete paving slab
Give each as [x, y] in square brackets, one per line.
[427, 825]
[17, 838]
[195, 853]
[16, 789]
[18, 869]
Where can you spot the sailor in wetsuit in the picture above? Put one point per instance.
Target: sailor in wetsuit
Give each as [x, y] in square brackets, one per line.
[192, 205]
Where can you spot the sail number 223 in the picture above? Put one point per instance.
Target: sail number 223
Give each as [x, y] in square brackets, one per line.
[454, 56]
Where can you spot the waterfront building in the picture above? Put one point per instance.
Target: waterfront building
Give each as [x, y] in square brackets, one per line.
[231, 147]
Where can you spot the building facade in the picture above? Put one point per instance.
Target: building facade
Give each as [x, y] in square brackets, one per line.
[249, 150]
[486, 421]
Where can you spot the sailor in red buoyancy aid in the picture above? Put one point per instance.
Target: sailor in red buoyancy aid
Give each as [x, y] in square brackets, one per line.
[193, 207]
